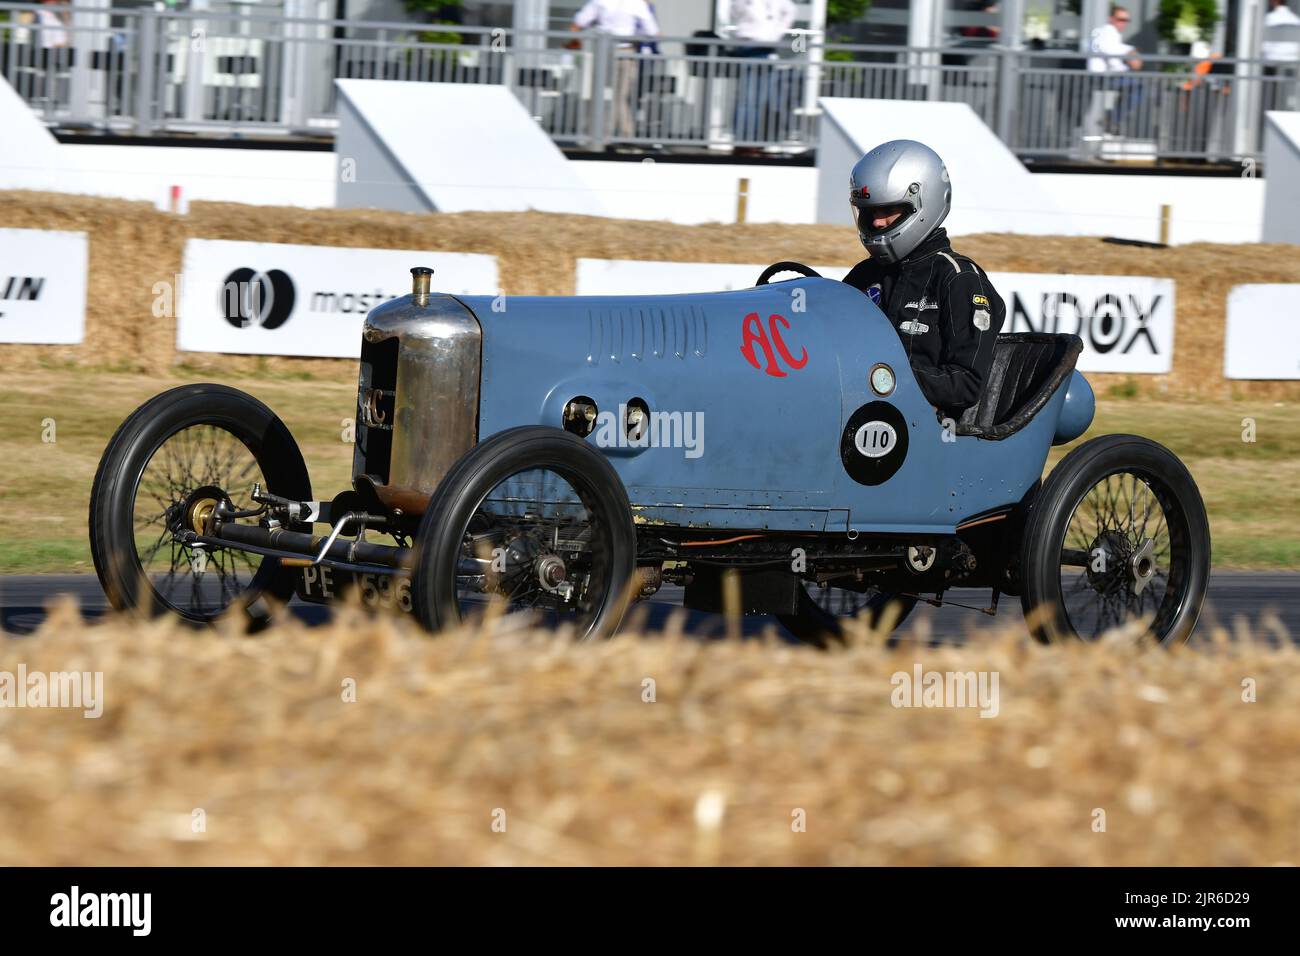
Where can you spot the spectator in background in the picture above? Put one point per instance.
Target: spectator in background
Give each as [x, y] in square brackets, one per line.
[621, 18]
[1282, 50]
[56, 50]
[1111, 53]
[1113, 56]
[982, 32]
[54, 35]
[758, 25]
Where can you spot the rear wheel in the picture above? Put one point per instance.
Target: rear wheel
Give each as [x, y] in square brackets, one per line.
[1117, 534]
[534, 517]
[164, 471]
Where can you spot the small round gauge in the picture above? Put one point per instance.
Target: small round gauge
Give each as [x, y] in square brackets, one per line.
[882, 379]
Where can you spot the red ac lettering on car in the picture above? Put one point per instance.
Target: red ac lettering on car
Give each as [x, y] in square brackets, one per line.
[781, 346]
[768, 340]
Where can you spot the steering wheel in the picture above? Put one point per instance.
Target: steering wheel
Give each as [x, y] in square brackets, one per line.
[778, 267]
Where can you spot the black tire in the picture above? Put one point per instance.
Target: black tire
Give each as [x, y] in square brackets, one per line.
[1115, 577]
[175, 420]
[820, 615]
[442, 540]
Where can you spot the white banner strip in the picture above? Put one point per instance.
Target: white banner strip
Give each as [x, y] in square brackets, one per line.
[1262, 338]
[254, 298]
[42, 286]
[1126, 322]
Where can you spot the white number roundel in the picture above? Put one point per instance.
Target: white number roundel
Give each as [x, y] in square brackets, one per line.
[875, 439]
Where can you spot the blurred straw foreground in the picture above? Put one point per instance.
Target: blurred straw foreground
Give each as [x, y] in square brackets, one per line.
[498, 745]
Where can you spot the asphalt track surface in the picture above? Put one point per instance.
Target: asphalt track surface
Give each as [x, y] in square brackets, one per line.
[1265, 603]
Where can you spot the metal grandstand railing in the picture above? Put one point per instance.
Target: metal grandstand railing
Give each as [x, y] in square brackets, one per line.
[146, 72]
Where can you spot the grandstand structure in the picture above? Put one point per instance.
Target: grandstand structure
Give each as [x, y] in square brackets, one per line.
[267, 70]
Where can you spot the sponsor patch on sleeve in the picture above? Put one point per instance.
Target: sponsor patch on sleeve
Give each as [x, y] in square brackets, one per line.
[982, 319]
[980, 301]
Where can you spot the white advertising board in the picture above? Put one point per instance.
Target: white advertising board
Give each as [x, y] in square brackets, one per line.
[42, 286]
[1262, 338]
[253, 298]
[1126, 322]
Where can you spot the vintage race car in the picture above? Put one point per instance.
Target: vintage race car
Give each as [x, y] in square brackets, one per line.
[768, 449]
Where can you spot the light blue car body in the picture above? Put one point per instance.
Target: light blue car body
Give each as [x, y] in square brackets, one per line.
[770, 456]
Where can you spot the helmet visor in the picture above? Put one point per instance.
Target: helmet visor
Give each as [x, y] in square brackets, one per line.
[876, 220]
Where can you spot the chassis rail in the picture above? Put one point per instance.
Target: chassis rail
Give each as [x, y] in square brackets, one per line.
[298, 549]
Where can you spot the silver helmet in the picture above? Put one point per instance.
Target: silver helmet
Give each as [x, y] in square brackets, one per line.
[906, 174]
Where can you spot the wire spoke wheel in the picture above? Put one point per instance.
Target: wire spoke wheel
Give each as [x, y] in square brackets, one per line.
[187, 475]
[164, 473]
[1128, 569]
[539, 544]
[533, 517]
[1118, 536]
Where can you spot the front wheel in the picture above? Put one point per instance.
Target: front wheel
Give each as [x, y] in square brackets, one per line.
[164, 471]
[533, 517]
[1118, 534]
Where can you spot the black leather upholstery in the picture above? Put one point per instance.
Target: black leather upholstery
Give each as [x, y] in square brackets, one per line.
[1027, 369]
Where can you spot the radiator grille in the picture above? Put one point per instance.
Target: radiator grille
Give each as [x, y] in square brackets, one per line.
[376, 397]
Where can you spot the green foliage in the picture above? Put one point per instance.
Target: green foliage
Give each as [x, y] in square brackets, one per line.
[1126, 389]
[440, 14]
[846, 11]
[843, 11]
[1200, 14]
[446, 37]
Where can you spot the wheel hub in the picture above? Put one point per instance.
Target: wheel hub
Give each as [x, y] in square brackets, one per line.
[199, 508]
[1142, 565]
[1107, 560]
[551, 572]
[1113, 561]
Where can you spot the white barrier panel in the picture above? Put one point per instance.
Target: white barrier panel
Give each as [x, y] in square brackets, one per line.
[1262, 338]
[1282, 184]
[639, 277]
[1126, 322]
[449, 147]
[42, 286]
[256, 298]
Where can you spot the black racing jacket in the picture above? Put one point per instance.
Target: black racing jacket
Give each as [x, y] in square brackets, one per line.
[946, 312]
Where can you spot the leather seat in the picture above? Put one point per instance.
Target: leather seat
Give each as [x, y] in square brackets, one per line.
[1027, 369]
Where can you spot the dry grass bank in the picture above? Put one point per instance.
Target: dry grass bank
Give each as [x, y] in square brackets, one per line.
[448, 735]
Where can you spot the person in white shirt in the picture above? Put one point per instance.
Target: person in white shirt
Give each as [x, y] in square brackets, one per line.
[759, 25]
[762, 21]
[1116, 56]
[54, 36]
[1113, 56]
[1284, 49]
[55, 50]
[621, 18]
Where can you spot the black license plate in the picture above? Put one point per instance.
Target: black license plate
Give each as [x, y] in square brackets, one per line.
[322, 585]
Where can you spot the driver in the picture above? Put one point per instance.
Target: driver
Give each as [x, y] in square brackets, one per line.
[941, 303]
